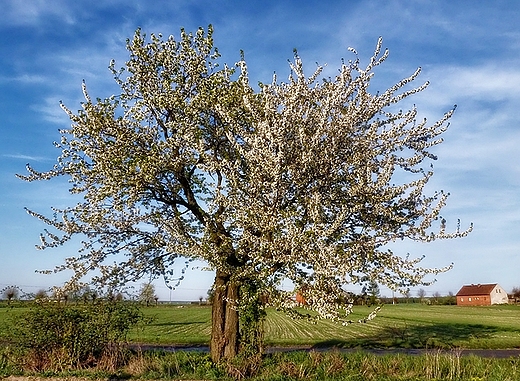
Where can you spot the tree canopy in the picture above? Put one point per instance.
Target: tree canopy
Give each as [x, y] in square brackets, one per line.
[306, 180]
[147, 294]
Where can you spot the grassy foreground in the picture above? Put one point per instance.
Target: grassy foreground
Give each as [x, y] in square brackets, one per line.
[328, 365]
[314, 365]
[398, 326]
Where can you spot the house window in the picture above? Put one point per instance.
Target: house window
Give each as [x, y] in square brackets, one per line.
[469, 299]
[461, 299]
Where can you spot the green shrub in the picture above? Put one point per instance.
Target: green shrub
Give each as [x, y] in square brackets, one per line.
[54, 336]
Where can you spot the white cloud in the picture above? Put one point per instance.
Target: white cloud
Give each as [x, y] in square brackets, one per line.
[26, 157]
[25, 79]
[484, 135]
[16, 12]
[488, 82]
[50, 109]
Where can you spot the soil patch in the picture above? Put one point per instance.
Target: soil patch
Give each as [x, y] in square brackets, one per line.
[487, 353]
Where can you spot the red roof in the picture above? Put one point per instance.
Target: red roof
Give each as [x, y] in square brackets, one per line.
[476, 289]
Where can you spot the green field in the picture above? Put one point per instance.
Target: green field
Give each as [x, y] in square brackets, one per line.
[402, 326]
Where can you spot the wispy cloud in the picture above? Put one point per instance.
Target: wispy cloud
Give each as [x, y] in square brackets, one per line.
[27, 157]
[25, 79]
[488, 81]
[49, 108]
[34, 12]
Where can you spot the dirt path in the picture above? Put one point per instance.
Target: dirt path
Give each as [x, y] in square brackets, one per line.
[488, 353]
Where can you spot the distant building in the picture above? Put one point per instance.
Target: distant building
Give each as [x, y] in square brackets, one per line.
[300, 299]
[481, 295]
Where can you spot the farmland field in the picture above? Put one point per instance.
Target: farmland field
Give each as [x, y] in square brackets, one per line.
[402, 326]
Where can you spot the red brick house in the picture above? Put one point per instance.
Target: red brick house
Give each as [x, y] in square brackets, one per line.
[481, 295]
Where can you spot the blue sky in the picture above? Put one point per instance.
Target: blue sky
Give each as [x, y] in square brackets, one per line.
[469, 51]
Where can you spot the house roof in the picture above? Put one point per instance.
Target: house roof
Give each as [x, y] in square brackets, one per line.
[476, 289]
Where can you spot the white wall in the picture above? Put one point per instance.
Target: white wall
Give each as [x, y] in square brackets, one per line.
[499, 295]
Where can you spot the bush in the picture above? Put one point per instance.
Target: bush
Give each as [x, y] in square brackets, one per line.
[53, 336]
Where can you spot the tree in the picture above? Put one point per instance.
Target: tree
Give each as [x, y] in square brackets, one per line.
[84, 294]
[421, 294]
[406, 293]
[515, 292]
[451, 299]
[41, 295]
[305, 180]
[11, 293]
[210, 296]
[372, 290]
[147, 294]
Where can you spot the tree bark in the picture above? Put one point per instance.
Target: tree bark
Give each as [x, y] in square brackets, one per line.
[225, 335]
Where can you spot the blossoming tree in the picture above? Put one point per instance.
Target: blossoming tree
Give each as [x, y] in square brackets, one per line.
[306, 180]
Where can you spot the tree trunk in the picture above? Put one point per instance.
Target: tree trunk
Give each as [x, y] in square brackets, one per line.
[224, 323]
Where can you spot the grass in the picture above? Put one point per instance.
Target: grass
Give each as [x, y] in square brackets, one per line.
[330, 365]
[175, 325]
[400, 326]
